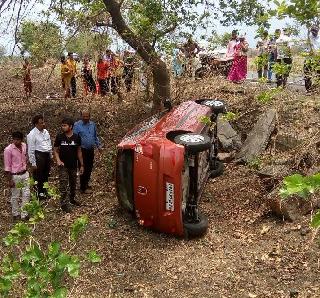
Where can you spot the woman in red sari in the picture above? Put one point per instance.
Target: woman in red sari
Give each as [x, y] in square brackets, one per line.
[238, 72]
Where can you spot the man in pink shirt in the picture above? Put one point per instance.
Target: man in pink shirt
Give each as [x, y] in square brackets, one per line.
[232, 43]
[15, 166]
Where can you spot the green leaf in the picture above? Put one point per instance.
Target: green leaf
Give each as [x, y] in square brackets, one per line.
[315, 222]
[5, 286]
[53, 249]
[73, 266]
[59, 293]
[78, 226]
[93, 257]
[17, 233]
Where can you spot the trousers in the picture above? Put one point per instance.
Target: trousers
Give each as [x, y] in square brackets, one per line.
[20, 194]
[41, 175]
[88, 158]
[67, 180]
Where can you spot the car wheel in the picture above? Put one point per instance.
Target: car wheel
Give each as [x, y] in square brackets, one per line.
[217, 106]
[196, 229]
[216, 168]
[193, 142]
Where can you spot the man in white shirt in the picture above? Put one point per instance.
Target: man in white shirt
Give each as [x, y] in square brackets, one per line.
[311, 64]
[40, 153]
[284, 56]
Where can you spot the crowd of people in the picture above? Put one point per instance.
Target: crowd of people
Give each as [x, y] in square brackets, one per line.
[272, 50]
[73, 151]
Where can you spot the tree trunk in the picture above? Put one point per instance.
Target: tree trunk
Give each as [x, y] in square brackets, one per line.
[161, 77]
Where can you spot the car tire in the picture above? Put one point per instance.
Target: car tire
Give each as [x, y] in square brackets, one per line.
[217, 106]
[193, 142]
[216, 168]
[196, 229]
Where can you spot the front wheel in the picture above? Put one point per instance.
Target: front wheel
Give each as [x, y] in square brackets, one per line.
[193, 142]
[217, 106]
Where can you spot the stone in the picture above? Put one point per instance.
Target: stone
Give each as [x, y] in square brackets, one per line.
[286, 142]
[228, 138]
[258, 138]
[291, 209]
[226, 156]
[274, 171]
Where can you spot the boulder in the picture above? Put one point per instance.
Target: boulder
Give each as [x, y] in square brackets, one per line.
[285, 142]
[258, 138]
[293, 208]
[227, 136]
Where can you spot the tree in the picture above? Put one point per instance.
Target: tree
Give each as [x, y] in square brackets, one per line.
[2, 51]
[42, 40]
[88, 42]
[217, 40]
[143, 24]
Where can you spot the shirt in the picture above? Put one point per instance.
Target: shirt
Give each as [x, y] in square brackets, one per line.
[88, 134]
[284, 43]
[65, 71]
[102, 70]
[38, 141]
[73, 66]
[231, 48]
[262, 46]
[68, 148]
[15, 160]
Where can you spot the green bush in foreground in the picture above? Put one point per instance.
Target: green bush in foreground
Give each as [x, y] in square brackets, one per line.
[42, 270]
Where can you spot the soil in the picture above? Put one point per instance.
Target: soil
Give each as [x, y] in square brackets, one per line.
[246, 253]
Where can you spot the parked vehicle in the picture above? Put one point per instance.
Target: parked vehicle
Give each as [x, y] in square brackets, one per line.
[212, 64]
[164, 163]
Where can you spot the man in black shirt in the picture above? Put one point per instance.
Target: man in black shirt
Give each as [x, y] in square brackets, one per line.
[67, 151]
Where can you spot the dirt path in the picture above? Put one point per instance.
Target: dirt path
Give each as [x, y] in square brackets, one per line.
[246, 253]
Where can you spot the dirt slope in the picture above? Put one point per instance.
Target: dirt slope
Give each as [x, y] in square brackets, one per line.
[246, 253]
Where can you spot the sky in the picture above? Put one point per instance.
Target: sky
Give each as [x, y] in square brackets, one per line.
[7, 40]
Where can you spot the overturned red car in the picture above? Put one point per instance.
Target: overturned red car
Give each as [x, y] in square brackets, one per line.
[163, 164]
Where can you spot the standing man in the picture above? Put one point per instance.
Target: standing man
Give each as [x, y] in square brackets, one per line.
[15, 166]
[67, 152]
[191, 49]
[27, 77]
[73, 68]
[312, 63]
[262, 61]
[87, 131]
[40, 154]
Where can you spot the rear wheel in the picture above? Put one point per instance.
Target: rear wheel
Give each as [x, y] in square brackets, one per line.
[216, 105]
[196, 228]
[193, 142]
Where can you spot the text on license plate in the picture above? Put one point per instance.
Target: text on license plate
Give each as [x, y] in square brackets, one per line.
[169, 196]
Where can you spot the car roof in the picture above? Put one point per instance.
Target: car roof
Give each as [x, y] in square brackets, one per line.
[184, 117]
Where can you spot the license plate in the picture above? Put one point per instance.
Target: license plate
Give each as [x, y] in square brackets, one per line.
[169, 196]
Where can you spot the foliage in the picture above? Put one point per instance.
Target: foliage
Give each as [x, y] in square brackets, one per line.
[254, 163]
[42, 270]
[230, 116]
[88, 42]
[42, 40]
[205, 120]
[261, 61]
[268, 95]
[281, 68]
[302, 186]
[219, 40]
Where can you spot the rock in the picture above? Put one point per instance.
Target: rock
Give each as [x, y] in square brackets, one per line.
[258, 137]
[274, 171]
[226, 156]
[285, 142]
[293, 293]
[291, 209]
[227, 136]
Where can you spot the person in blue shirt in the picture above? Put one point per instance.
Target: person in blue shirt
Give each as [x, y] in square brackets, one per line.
[87, 131]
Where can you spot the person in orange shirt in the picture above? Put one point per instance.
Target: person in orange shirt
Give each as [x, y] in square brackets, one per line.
[102, 74]
[27, 77]
[73, 68]
[66, 75]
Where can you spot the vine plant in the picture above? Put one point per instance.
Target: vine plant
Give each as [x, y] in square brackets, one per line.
[43, 270]
[302, 186]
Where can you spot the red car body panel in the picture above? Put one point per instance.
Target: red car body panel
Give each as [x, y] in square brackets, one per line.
[158, 165]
